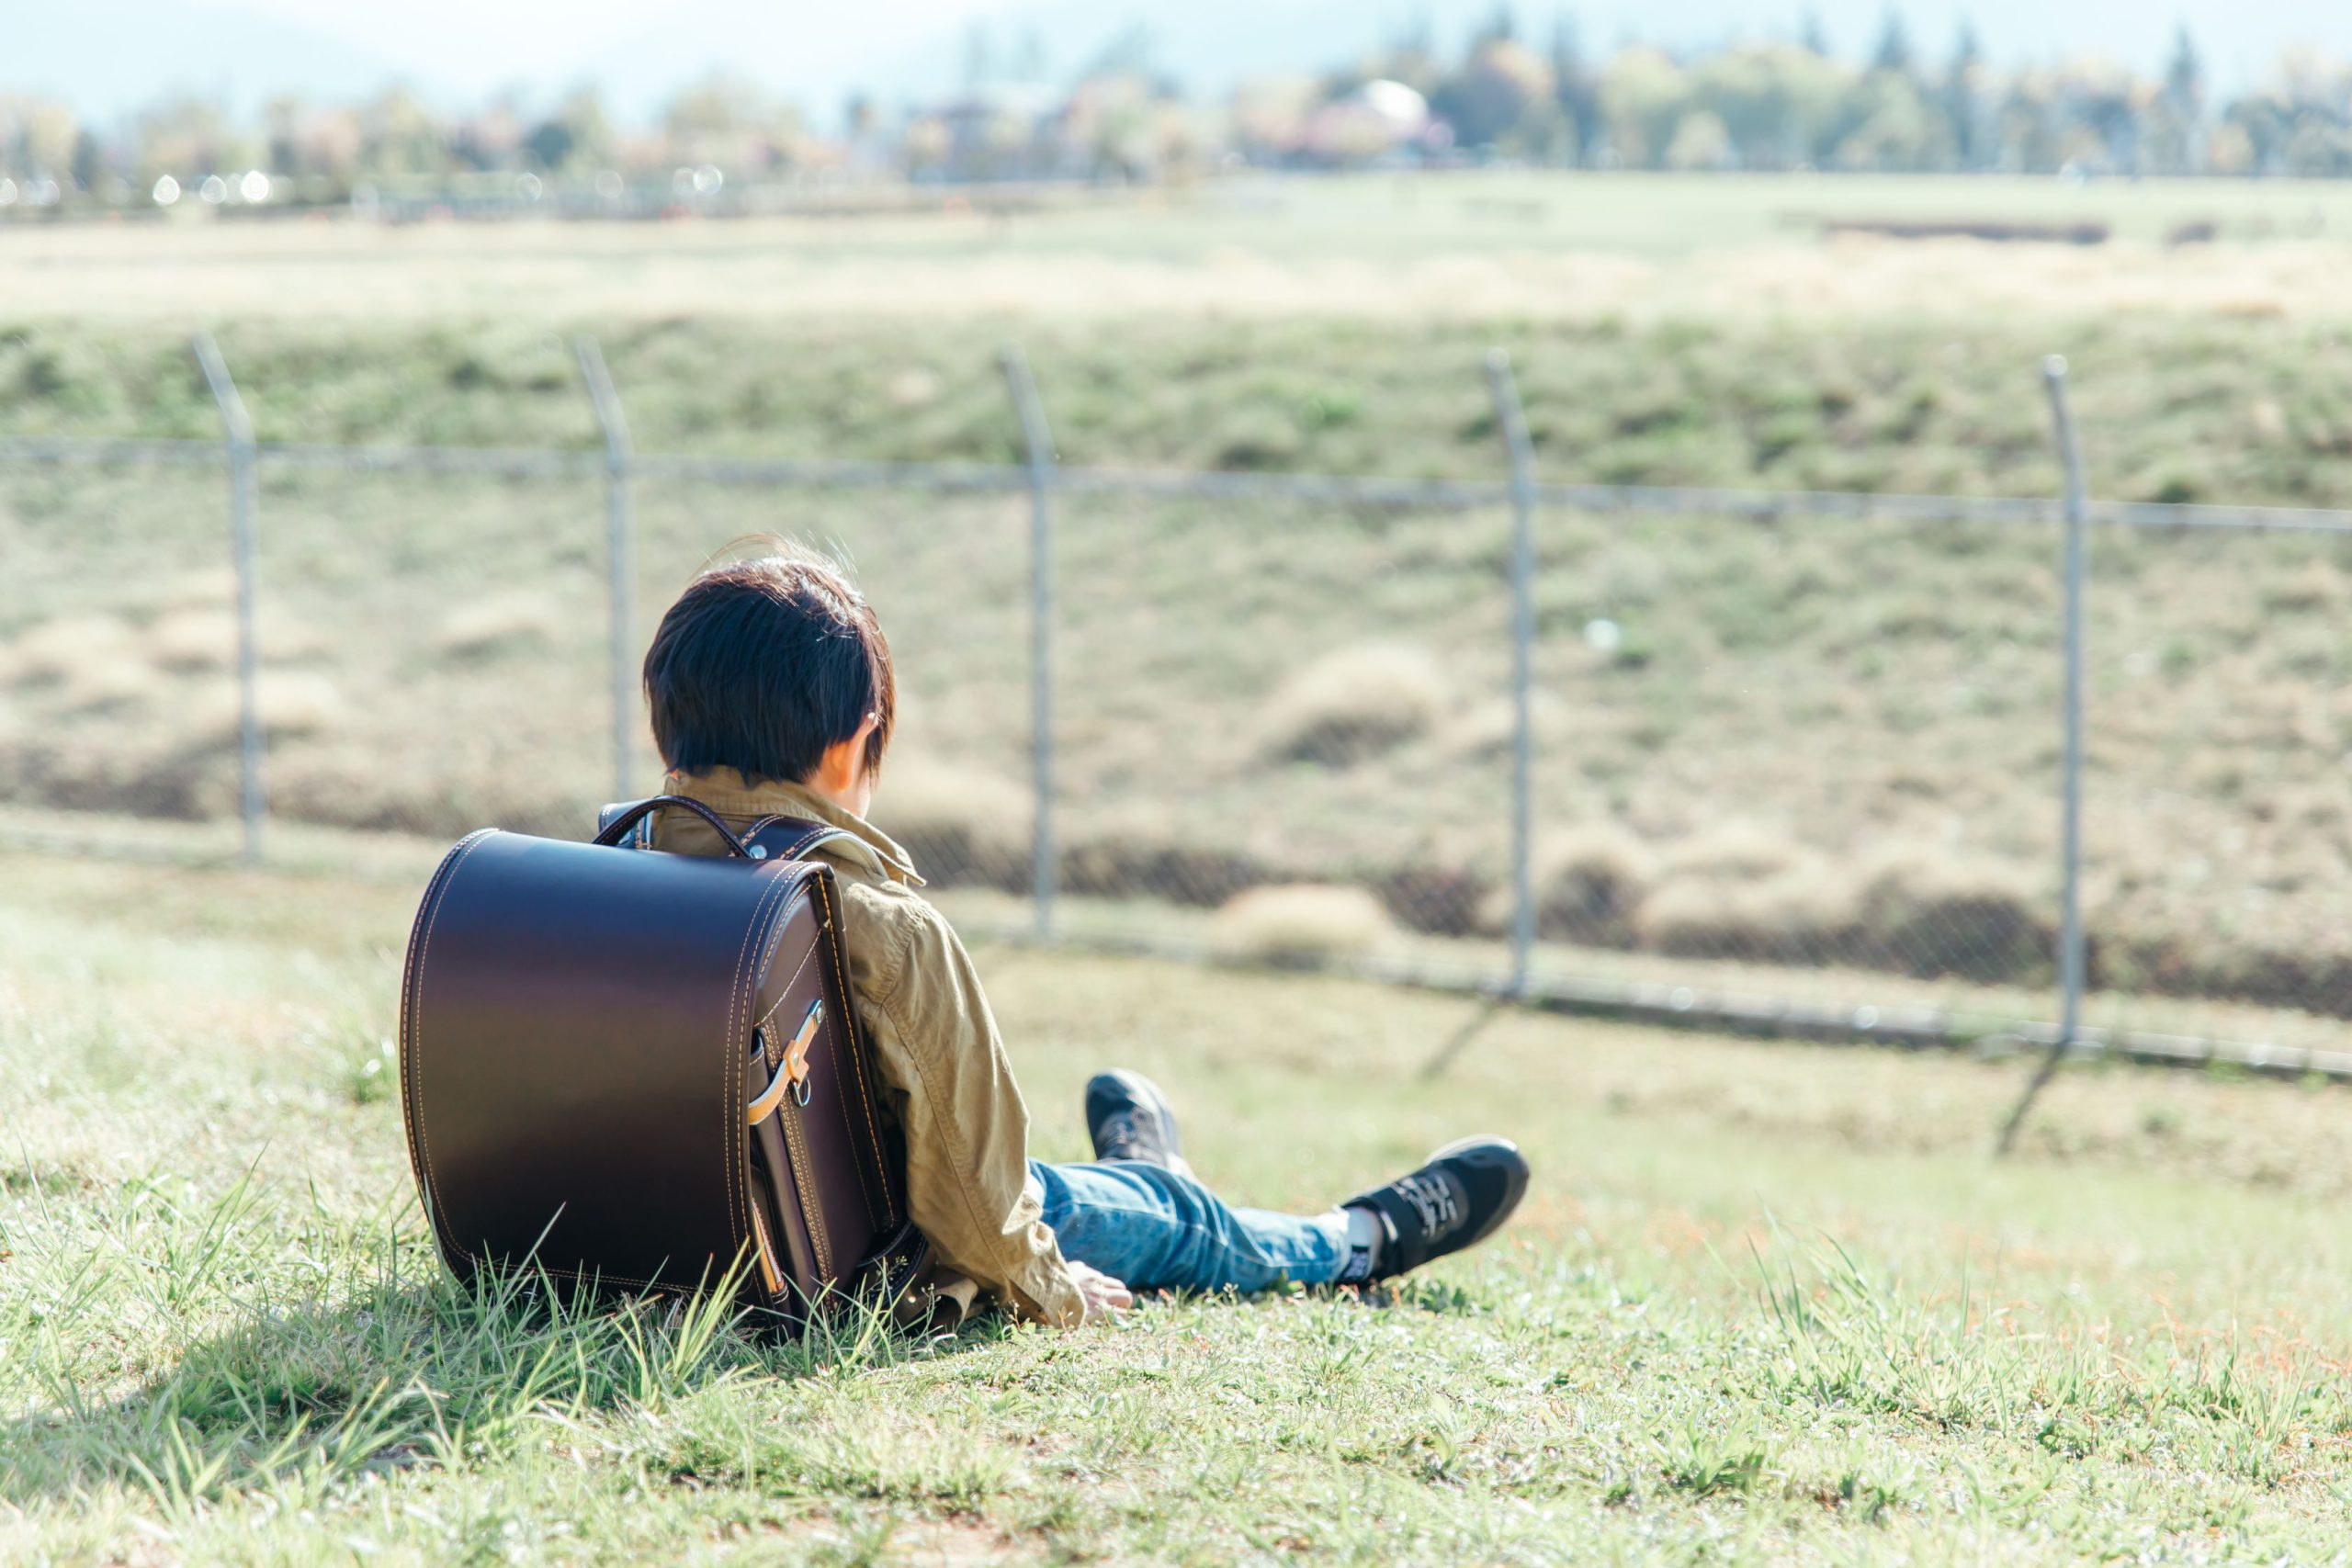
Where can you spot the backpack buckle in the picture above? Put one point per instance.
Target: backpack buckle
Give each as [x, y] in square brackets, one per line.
[793, 1069]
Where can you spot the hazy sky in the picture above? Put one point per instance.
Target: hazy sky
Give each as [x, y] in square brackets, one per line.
[428, 31]
[2238, 34]
[435, 35]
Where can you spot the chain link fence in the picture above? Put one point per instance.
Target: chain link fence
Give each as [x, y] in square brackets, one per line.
[2218, 863]
[1793, 763]
[1812, 760]
[1285, 737]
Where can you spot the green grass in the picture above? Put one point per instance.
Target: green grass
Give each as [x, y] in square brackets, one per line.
[1763, 1303]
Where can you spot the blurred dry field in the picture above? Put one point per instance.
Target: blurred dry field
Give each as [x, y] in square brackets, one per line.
[1475, 246]
[1808, 746]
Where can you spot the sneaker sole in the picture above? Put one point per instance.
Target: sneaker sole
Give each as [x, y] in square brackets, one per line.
[1504, 1210]
[1145, 1093]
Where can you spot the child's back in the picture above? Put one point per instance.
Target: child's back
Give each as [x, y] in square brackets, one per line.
[772, 695]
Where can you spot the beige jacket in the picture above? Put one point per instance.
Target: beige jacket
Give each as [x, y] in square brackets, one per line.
[935, 1045]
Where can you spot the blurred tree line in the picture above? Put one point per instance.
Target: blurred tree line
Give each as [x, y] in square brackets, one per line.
[1543, 100]
[1788, 105]
[313, 152]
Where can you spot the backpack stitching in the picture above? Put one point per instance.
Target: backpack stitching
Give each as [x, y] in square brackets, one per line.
[763, 924]
[857, 1063]
[787, 990]
[741, 1001]
[739, 1018]
[820, 1241]
[731, 1058]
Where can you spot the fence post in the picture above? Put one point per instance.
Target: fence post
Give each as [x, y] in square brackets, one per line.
[238, 427]
[619, 557]
[2070, 833]
[1512, 419]
[1045, 874]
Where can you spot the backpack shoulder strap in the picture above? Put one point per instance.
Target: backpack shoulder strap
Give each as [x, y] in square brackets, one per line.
[639, 837]
[774, 837]
[792, 838]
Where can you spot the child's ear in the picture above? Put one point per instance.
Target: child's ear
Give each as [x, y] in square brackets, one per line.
[837, 769]
[858, 742]
[844, 763]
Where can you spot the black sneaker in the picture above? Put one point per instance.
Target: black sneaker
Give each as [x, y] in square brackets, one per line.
[1128, 1118]
[1459, 1196]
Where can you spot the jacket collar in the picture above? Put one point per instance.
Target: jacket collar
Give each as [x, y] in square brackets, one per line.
[729, 793]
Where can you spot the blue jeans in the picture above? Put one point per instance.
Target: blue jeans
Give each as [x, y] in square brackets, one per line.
[1159, 1231]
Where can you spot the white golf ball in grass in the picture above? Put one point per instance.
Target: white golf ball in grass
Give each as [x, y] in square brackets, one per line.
[1604, 636]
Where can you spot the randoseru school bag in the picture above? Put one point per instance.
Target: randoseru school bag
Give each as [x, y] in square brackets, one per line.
[637, 1071]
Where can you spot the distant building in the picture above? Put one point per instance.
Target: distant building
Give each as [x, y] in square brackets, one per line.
[1378, 121]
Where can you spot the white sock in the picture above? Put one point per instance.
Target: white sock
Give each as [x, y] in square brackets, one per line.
[1365, 1235]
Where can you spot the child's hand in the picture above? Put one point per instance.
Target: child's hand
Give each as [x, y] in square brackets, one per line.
[1101, 1295]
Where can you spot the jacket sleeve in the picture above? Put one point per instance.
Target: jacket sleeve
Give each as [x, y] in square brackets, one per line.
[966, 1128]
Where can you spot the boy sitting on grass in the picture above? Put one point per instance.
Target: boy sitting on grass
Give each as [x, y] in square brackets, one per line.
[772, 694]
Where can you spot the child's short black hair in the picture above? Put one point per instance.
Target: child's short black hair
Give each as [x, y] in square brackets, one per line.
[764, 663]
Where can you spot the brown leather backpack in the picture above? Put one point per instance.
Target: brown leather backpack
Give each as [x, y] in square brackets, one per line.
[635, 1071]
